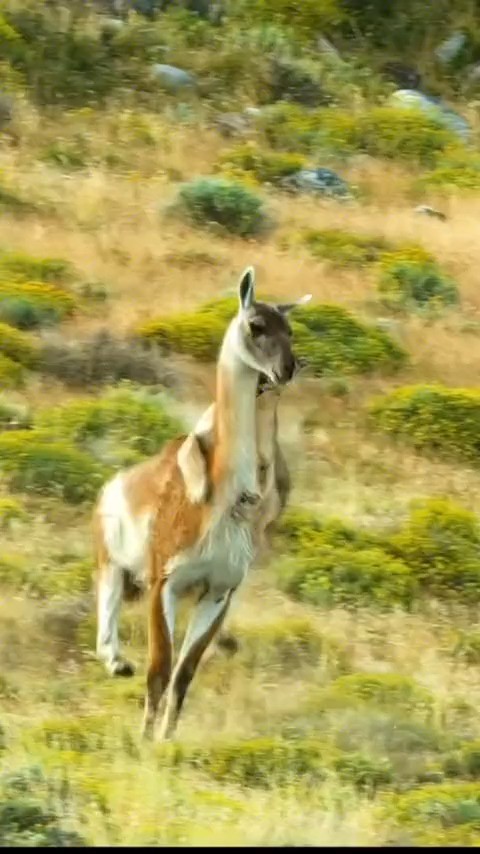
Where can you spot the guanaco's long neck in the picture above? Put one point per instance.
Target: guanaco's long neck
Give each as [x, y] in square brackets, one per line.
[234, 467]
[267, 425]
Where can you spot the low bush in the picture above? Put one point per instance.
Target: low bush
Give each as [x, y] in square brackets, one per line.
[467, 647]
[344, 248]
[433, 418]
[44, 301]
[13, 415]
[288, 643]
[121, 415]
[385, 132]
[227, 203]
[27, 816]
[436, 552]
[261, 762]
[102, 360]
[440, 542]
[334, 341]
[445, 814]
[328, 336]
[379, 689]
[10, 511]
[11, 373]
[412, 279]
[263, 165]
[28, 268]
[17, 346]
[455, 169]
[34, 463]
[326, 573]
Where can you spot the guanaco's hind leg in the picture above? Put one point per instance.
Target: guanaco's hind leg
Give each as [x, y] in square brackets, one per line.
[160, 642]
[205, 623]
[109, 599]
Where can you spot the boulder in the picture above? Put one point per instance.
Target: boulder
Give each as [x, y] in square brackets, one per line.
[449, 49]
[411, 98]
[173, 79]
[237, 124]
[319, 181]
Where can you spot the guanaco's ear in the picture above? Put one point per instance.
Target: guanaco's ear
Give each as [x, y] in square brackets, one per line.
[246, 288]
[287, 307]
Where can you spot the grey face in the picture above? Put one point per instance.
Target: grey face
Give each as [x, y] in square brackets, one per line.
[265, 339]
[268, 340]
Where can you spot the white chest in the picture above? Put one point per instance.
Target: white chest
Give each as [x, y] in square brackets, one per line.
[221, 561]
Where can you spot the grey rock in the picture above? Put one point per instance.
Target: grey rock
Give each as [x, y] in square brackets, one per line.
[173, 79]
[232, 124]
[426, 210]
[450, 48]
[411, 98]
[319, 181]
[237, 124]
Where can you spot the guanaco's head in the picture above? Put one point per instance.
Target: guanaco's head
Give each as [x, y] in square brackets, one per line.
[262, 334]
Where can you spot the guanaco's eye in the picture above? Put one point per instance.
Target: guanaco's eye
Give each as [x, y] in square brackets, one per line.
[257, 327]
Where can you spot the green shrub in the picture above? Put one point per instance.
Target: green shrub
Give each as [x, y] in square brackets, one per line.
[263, 165]
[386, 132]
[450, 812]
[34, 463]
[299, 529]
[364, 772]
[224, 202]
[464, 762]
[21, 313]
[344, 248]
[334, 341]
[379, 689]
[17, 346]
[43, 299]
[328, 336]
[27, 268]
[11, 373]
[10, 511]
[433, 418]
[261, 762]
[27, 817]
[441, 544]
[85, 734]
[343, 575]
[306, 18]
[436, 551]
[13, 415]
[467, 647]
[288, 643]
[121, 415]
[406, 281]
[455, 169]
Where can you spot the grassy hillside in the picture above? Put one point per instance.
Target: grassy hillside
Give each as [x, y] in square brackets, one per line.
[349, 714]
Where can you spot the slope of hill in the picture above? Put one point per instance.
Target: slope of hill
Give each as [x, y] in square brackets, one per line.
[130, 202]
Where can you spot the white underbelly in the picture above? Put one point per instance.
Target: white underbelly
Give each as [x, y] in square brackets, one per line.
[126, 536]
[221, 562]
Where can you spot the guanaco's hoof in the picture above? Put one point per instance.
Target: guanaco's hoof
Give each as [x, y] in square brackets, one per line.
[228, 643]
[122, 668]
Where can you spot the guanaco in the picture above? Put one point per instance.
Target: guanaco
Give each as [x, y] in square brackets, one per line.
[187, 519]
